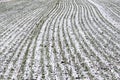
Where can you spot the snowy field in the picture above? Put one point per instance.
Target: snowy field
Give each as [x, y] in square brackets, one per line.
[60, 40]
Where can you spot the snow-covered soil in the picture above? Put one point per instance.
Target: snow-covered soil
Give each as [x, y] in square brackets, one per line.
[60, 40]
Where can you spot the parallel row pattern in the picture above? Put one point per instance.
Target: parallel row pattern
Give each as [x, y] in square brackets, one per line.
[58, 40]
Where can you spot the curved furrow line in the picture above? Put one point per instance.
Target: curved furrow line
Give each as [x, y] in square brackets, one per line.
[28, 64]
[77, 50]
[28, 73]
[34, 36]
[10, 66]
[74, 68]
[38, 54]
[30, 15]
[59, 40]
[109, 33]
[110, 8]
[77, 37]
[102, 19]
[100, 36]
[97, 31]
[85, 50]
[116, 3]
[76, 41]
[115, 46]
[21, 25]
[46, 23]
[79, 57]
[117, 12]
[60, 44]
[16, 37]
[104, 37]
[15, 42]
[14, 51]
[89, 52]
[71, 49]
[70, 71]
[114, 11]
[26, 31]
[17, 21]
[43, 60]
[20, 61]
[7, 35]
[86, 35]
[92, 39]
[49, 55]
[97, 43]
[17, 51]
[109, 30]
[106, 52]
[100, 32]
[17, 31]
[42, 75]
[57, 44]
[47, 33]
[113, 4]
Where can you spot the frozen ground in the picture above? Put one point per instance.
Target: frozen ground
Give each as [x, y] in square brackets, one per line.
[60, 40]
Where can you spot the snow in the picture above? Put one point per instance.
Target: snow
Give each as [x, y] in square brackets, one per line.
[59, 39]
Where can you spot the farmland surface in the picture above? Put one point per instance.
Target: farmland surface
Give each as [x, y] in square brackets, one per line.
[60, 39]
